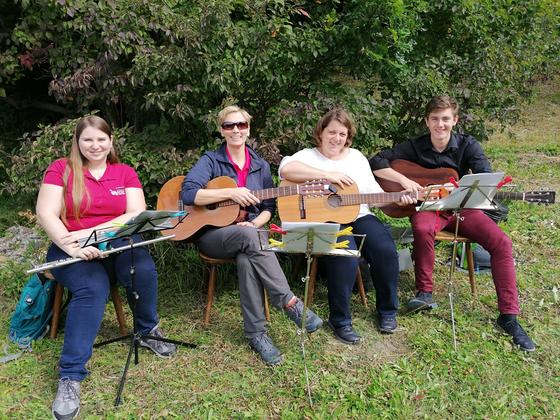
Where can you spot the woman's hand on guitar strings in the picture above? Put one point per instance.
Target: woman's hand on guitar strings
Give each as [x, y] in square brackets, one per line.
[243, 196]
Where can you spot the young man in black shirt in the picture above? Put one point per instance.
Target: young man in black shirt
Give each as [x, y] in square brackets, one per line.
[442, 148]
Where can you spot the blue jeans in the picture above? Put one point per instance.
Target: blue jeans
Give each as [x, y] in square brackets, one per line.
[380, 252]
[89, 282]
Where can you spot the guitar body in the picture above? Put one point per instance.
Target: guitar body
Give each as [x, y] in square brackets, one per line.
[325, 208]
[197, 216]
[421, 175]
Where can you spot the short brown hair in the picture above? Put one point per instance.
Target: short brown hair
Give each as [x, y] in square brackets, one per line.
[442, 102]
[336, 114]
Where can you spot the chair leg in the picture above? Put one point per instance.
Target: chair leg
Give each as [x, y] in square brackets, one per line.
[210, 295]
[361, 289]
[470, 264]
[312, 279]
[266, 307]
[57, 305]
[117, 303]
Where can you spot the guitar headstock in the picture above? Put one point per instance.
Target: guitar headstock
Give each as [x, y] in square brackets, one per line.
[541, 197]
[316, 187]
[433, 193]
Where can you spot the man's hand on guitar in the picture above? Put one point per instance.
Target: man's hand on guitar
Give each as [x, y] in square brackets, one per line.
[408, 198]
[410, 185]
[243, 197]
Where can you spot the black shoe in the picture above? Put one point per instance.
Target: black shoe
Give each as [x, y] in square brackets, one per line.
[511, 326]
[345, 334]
[387, 324]
[422, 301]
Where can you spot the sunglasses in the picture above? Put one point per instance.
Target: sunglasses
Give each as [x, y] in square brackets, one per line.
[241, 125]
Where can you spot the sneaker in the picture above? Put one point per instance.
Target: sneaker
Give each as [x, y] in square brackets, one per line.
[422, 301]
[387, 324]
[66, 404]
[295, 313]
[511, 326]
[264, 346]
[345, 334]
[160, 348]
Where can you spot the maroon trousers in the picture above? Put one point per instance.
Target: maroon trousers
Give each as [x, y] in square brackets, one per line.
[478, 227]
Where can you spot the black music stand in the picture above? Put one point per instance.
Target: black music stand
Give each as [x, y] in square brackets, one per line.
[474, 191]
[147, 221]
[311, 239]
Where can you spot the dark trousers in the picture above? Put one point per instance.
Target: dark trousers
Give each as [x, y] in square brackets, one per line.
[89, 282]
[380, 252]
[478, 227]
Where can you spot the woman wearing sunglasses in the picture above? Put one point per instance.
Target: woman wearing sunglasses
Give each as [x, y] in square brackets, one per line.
[240, 240]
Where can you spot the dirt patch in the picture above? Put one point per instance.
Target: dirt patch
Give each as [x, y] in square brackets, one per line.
[375, 348]
[17, 242]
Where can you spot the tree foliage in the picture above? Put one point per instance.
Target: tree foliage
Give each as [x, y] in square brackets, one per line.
[162, 68]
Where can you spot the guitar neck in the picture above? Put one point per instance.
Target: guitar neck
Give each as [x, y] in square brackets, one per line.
[510, 195]
[266, 194]
[370, 198]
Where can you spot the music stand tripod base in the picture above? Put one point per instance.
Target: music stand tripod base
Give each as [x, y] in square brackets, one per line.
[142, 224]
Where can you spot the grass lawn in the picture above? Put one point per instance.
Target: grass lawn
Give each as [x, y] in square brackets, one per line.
[413, 373]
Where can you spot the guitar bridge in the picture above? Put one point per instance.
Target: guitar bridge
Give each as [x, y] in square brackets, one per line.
[302, 214]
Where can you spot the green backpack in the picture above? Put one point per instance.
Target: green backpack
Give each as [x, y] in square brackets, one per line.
[31, 318]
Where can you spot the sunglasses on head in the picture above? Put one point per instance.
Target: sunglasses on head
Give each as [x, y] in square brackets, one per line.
[241, 125]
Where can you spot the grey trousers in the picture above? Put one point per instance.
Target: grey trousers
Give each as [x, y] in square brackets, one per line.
[255, 269]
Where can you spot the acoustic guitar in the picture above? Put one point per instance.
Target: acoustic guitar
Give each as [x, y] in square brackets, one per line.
[439, 176]
[342, 204]
[222, 213]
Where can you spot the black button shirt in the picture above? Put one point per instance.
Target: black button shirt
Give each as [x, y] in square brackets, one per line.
[463, 153]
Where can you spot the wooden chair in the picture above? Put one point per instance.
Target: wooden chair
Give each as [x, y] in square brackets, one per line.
[445, 236]
[313, 278]
[211, 268]
[57, 307]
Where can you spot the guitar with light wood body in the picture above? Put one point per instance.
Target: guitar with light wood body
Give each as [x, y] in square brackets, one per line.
[223, 213]
[342, 204]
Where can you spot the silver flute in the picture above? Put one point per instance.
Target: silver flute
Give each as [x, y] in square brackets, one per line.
[68, 261]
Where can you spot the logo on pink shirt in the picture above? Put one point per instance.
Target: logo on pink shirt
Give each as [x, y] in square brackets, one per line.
[117, 191]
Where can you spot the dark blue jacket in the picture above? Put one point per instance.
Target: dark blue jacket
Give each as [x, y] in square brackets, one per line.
[214, 164]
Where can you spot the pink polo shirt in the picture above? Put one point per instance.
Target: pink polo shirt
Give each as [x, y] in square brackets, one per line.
[241, 172]
[107, 194]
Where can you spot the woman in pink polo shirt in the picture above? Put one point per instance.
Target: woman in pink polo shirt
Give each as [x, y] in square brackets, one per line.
[89, 190]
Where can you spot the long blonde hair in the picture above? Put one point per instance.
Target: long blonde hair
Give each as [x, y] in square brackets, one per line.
[76, 163]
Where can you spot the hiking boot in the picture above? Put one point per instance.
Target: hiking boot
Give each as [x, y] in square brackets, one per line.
[387, 324]
[295, 313]
[264, 346]
[66, 404]
[345, 334]
[422, 301]
[511, 326]
[160, 348]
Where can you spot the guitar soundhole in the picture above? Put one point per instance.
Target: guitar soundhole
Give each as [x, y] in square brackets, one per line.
[212, 206]
[334, 200]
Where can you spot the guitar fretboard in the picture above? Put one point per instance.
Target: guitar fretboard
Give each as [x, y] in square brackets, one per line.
[371, 198]
[266, 194]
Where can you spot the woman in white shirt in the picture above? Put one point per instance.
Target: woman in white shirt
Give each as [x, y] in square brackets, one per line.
[335, 160]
